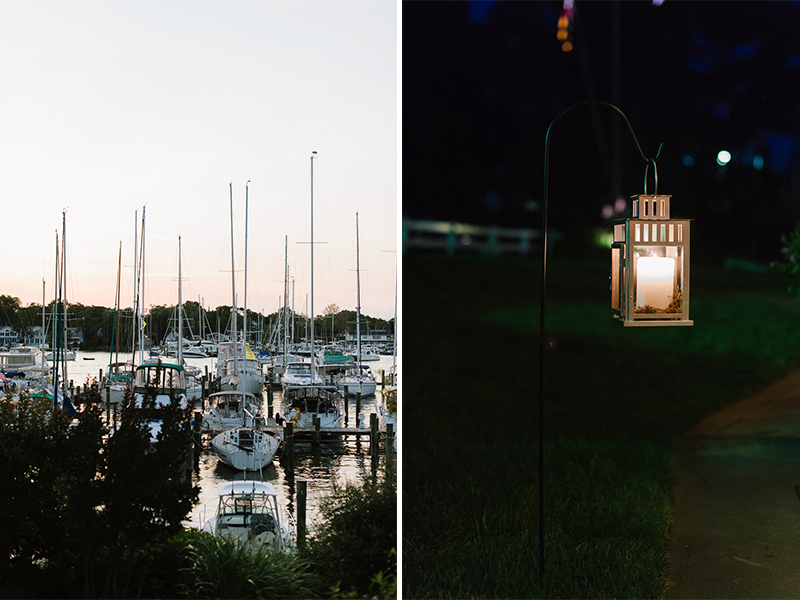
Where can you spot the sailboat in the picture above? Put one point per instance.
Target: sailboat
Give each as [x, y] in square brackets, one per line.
[358, 380]
[238, 368]
[301, 404]
[157, 380]
[60, 395]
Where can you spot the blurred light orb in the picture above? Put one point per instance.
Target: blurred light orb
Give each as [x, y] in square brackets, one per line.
[758, 162]
[563, 22]
[562, 35]
[566, 46]
[723, 158]
[466, 239]
[607, 212]
[688, 160]
[620, 204]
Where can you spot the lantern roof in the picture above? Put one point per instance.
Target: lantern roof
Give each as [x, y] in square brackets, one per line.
[651, 206]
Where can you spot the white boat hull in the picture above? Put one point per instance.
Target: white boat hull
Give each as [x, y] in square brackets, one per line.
[235, 452]
[364, 386]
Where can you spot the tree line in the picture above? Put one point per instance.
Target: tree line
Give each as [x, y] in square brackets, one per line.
[101, 325]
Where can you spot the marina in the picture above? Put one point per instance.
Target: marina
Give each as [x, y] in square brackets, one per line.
[341, 454]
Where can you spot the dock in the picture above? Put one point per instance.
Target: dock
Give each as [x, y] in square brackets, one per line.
[274, 428]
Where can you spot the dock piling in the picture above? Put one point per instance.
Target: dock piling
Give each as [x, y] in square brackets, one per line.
[302, 495]
[373, 435]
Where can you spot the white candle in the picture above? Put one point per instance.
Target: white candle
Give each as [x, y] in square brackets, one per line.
[655, 276]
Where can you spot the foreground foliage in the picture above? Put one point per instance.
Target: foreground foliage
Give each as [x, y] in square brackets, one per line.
[89, 514]
[354, 546]
[83, 509]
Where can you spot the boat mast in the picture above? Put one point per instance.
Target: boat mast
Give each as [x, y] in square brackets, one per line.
[65, 383]
[42, 344]
[233, 296]
[285, 300]
[135, 284]
[115, 330]
[244, 324]
[56, 287]
[141, 301]
[180, 308]
[358, 304]
[313, 154]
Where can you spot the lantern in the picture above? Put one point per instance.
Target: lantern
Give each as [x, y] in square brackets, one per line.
[650, 265]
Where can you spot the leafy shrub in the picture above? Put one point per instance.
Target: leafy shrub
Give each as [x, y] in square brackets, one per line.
[354, 546]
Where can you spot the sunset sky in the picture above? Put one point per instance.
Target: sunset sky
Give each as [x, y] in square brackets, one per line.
[111, 106]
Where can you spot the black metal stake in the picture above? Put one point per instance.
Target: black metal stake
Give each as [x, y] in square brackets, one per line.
[542, 307]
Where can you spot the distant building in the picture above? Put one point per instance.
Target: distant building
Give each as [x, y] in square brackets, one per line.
[34, 337]
[378, 336]
[9, 337]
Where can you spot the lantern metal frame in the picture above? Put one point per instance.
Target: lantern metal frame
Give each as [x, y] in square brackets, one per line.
[650, 231]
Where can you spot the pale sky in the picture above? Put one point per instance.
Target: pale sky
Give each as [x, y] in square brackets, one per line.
[108, 106]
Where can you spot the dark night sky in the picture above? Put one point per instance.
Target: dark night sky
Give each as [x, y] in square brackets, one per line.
[483, 80]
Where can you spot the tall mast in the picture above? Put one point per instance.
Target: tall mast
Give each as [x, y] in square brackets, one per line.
[135, 284]
[313, 153]
[64, 304]
[140, 296]
[42, 344]
[358, 303]
[233, 296]
[244, 325]
[56, 288]
[286, 299]
[180, 308]
[292, 311]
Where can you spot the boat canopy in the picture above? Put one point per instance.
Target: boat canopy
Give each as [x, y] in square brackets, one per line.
[163, 376]
[227, 488]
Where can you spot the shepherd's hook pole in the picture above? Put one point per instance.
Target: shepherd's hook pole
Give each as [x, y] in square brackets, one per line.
[542, 304]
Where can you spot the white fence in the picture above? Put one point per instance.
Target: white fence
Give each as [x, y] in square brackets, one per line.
[452, 237]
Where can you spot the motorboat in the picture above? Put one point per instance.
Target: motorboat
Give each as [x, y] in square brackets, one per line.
[245, 448]
[367, 355]
[357, 379]
[229, 409]
[302, 403]
[330, 355]
[299, 373]
[155, 383]
[25, 359]
[119, 381]
[248, 512]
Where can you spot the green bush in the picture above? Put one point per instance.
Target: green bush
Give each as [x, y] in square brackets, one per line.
[221, 568]
[354, 546]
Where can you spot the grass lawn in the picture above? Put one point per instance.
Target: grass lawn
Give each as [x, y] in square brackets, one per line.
[616, 401]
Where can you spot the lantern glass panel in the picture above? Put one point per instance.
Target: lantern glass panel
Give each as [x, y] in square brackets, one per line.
[658, 276]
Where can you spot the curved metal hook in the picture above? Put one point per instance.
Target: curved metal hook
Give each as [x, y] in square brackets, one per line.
[655, 176]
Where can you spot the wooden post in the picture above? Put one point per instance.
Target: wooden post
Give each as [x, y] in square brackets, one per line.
[288, 442]
[269, 399]
[383, 379]
[346, 406]
[358, 405]
[389, 441]
[373, 434]
[108, 406]
[100, 380]
[198, 428]
[317, 433]
[302, 496]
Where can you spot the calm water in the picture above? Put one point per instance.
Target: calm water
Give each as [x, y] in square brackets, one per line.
[337, 460]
